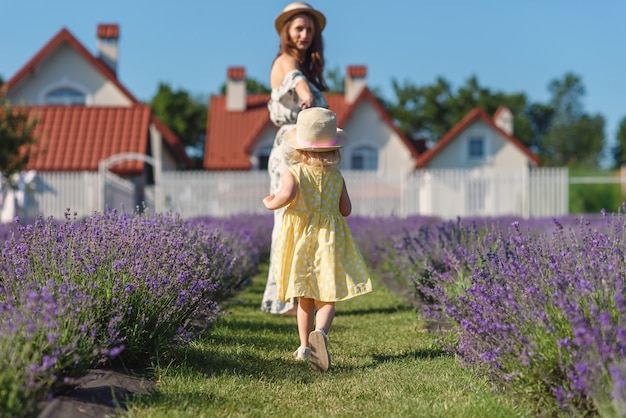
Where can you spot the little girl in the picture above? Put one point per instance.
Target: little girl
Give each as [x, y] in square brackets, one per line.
[317, 259]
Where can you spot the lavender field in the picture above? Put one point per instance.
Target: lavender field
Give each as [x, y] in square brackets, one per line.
[538, 305]
[75, 294]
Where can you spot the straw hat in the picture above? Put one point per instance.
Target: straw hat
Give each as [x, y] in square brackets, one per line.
[316, 130]
[299, 7]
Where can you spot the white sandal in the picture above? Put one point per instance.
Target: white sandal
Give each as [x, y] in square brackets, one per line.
[302, 353]
[320, 359]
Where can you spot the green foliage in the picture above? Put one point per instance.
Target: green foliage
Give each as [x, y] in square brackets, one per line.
[592, 198]
[429, 112]
[335, 81]
[183, 115]
[619, 152]
[539, 117]
[16, 139]
[253, 86]
[560, 132]
[574, 138]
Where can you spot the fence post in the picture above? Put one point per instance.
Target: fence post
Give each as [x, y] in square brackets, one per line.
[526, 192]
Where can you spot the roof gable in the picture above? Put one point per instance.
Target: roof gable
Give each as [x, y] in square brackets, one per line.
[473, 116]
[65, 37]
[232, 135]
[338, 104]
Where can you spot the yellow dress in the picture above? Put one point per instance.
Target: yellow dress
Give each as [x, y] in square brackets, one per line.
[316, 255]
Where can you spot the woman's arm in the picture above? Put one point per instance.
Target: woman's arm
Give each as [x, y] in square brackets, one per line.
[286, 194]
[282, 65]
[345, 205]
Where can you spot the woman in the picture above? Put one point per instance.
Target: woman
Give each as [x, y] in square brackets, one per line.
[297, 82]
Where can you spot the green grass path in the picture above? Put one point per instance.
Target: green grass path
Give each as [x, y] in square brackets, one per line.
[384, 364]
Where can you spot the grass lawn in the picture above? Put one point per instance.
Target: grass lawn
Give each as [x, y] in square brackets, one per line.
[384, 364]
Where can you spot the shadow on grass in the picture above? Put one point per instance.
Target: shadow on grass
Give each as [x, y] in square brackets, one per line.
[370, 311]
[246, 342]
[422, 354]
[240, 349]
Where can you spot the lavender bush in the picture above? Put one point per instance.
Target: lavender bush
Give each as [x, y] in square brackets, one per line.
[378, 239]
[249, 235]
[543, 313]
[114, 285]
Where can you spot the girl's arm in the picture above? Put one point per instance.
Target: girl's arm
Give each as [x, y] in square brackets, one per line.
[345, 205]
[286, 194]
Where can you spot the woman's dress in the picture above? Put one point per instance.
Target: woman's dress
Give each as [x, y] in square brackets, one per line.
[284, 108]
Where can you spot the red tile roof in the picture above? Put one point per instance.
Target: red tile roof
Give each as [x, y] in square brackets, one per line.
[75, 138]
[232, 135]
[474, 115]
[65, 37]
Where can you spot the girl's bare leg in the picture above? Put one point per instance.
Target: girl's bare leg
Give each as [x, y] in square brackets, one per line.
[305, 317]
[325, 315]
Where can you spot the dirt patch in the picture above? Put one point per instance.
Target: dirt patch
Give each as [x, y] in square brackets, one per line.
[99, 394]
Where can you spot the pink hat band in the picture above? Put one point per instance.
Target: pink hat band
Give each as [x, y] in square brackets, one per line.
[314, 144]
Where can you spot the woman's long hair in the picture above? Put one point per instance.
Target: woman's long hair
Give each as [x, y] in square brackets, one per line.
[312, 63]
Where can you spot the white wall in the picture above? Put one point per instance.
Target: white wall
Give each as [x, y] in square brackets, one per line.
[367, 128]
[266, 140]
[500, 152]
[65, 67]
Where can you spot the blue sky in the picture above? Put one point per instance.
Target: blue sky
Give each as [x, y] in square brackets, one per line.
[509, 46]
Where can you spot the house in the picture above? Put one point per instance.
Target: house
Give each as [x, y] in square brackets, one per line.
[479, 141]
[478, 168]
[240, 134]
[86, 115]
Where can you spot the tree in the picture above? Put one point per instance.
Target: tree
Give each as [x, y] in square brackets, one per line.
[16, 141]
[183, 115]
[574, 138]
[335, 81]
[539, 117]
[428, 112]
[253, 86]
[421, 113]
[619, 151]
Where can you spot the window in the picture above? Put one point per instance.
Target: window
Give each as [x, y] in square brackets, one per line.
[264, 157]
[364, 158]
[476, 148]
[65, 96]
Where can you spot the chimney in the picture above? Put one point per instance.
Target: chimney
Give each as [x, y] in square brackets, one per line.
[236, 89]
[108, 36]
[355, 81]
[503, 118]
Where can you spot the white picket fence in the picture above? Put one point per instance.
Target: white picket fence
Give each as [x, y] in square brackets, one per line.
[535, 192]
